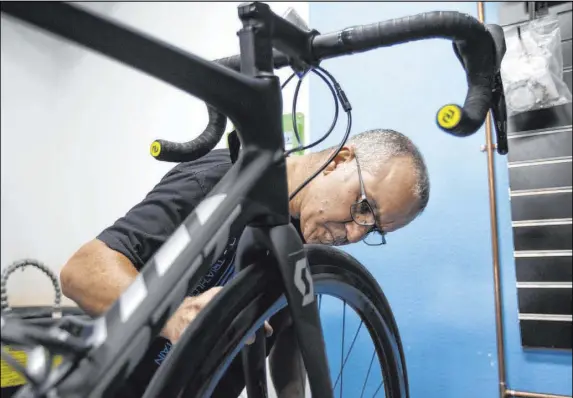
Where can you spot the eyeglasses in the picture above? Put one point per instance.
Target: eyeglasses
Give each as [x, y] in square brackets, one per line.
[363, 214]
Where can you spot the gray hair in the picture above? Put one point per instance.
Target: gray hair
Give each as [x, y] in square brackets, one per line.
[375, 147]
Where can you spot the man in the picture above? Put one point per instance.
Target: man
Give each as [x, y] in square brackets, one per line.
[380, 167]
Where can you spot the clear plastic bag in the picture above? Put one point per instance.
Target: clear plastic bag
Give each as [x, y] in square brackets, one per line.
[532, 69]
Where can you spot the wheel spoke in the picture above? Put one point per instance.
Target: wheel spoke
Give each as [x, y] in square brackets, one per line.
[342, 350]
[378, 389]
[368, 374]
[344, 281]
[349, 351]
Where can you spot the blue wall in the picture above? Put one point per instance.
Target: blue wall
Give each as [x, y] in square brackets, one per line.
[437, 272]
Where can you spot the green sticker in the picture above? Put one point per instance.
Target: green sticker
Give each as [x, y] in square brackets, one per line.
[290, 137]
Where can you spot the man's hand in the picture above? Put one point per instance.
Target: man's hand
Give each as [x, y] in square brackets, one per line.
[188, 311]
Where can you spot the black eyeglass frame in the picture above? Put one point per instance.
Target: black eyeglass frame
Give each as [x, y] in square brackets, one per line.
[361, 203]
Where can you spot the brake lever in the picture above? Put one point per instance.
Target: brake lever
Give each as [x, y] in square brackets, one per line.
[499, 113]
[498, 107]
[62, 339]
[58, 341]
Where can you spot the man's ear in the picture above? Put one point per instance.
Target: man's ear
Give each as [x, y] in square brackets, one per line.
[345, 155]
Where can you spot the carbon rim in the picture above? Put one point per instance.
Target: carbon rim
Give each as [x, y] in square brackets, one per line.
[387, 346]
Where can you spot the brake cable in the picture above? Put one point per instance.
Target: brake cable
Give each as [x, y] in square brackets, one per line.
[339, 95]
[334, 120]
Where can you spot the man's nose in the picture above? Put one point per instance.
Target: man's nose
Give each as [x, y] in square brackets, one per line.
[355, 232]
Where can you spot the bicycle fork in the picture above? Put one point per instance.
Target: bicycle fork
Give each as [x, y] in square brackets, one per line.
[287, 253]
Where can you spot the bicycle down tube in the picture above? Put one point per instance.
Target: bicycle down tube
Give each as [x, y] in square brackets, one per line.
[252, 100]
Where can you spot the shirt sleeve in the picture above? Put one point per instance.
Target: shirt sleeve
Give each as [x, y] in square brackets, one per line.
[142, 231]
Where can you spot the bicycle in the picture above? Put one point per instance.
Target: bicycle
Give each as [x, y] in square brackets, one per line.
[275, 269]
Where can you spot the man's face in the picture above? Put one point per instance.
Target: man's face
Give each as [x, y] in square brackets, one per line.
[325, 208]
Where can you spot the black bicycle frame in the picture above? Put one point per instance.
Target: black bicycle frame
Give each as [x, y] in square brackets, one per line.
[253, 193]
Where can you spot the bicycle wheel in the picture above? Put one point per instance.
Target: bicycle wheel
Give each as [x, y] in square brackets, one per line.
[255, 295]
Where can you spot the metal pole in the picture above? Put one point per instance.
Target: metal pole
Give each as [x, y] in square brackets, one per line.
[494, 242]
[521, 394]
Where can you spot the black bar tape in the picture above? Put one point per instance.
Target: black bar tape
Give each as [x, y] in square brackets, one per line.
[170, 151]
[187, 151]
[473, 42]
[438, 24]
[232, 62]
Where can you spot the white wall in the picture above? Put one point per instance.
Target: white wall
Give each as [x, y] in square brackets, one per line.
[76, 129]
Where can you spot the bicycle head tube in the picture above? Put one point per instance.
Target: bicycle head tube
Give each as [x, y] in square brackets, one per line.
[261, 129]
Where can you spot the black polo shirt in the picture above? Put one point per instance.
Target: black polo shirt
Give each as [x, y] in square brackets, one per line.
[146, 226]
